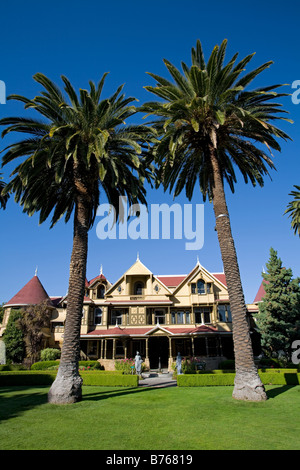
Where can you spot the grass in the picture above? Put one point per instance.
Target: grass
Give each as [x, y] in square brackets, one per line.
[175, 418]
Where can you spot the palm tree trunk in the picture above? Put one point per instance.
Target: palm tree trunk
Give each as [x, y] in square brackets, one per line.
[247, 385]
[67, 386]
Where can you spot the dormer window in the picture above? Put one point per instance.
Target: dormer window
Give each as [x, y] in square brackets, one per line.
[138, 288]
[100, 291]
[200, 287]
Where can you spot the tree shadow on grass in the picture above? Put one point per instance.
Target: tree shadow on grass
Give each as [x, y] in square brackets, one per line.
[272, 393]
[102, 395]
[14, 401]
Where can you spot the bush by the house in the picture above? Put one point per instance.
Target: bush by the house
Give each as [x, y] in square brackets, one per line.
[50, 354]
[53, 365]
[127, 365]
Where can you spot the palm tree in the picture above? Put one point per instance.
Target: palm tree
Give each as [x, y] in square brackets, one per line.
[80, 149]
[209, 124]
[293, 209]
[3, 198]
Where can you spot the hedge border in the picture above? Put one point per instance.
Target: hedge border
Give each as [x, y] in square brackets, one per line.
[267, 378]
[32, 377]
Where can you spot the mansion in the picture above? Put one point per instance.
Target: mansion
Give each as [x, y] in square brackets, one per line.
[157, 315]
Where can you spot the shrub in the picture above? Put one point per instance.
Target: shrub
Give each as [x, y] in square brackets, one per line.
[125, 365]
[94, 365]
[109, 380]
[267, 378]
[27, 378]
[12, 367]
[204, 380]
[46, 365]
[50, 354]
[97, 377]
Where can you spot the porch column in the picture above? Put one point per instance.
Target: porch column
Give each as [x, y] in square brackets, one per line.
[168, 316]
[114, 349]
[193, 346]
[147, 348]
[147, 362]
[170, 354]
[125, 348]
[105, 348]
[206, 345]
[102, 341]
[220, 346]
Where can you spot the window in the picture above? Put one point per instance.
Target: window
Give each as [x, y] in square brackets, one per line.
[116, 317]
[180, 318]
[119, 348]
[159, 317]
[98, 316]
[202, 315]
[138, 288]
[100, 291]
[224, 313]
[200, 287]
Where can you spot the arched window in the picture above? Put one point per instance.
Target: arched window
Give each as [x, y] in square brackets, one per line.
[138, 288]
[200, 286]
[100, 291]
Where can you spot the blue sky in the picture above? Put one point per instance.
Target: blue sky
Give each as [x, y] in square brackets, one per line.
[84, 39]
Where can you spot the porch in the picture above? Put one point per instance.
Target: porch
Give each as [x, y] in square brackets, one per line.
[159, 350]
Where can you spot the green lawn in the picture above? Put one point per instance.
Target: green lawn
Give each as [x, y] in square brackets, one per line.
[175, 418]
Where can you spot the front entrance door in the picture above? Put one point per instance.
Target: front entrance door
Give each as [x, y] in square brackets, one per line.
[158, 351]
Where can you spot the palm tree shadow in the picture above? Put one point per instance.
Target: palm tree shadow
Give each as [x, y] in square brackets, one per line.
[272, 393]
[102, 395]
[15, 405]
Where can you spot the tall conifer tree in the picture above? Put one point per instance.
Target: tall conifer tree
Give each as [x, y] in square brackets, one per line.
[279, 312]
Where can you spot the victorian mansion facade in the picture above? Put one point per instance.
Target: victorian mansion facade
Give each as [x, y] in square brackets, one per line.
[157, 315]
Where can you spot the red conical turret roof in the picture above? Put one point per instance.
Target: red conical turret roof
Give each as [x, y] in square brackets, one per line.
[32, 293]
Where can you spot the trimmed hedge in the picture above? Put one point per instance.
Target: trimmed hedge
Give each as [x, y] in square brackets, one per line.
[115, 379]
[267, 378]
[43, 365]
[8, 367]
[27, 377]
[101, 378]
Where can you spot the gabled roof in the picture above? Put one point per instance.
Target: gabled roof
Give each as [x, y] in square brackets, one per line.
[219, 277]
[32, 293]
[138, 268]
[174, 280]
[170, 280]
[101, 277]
